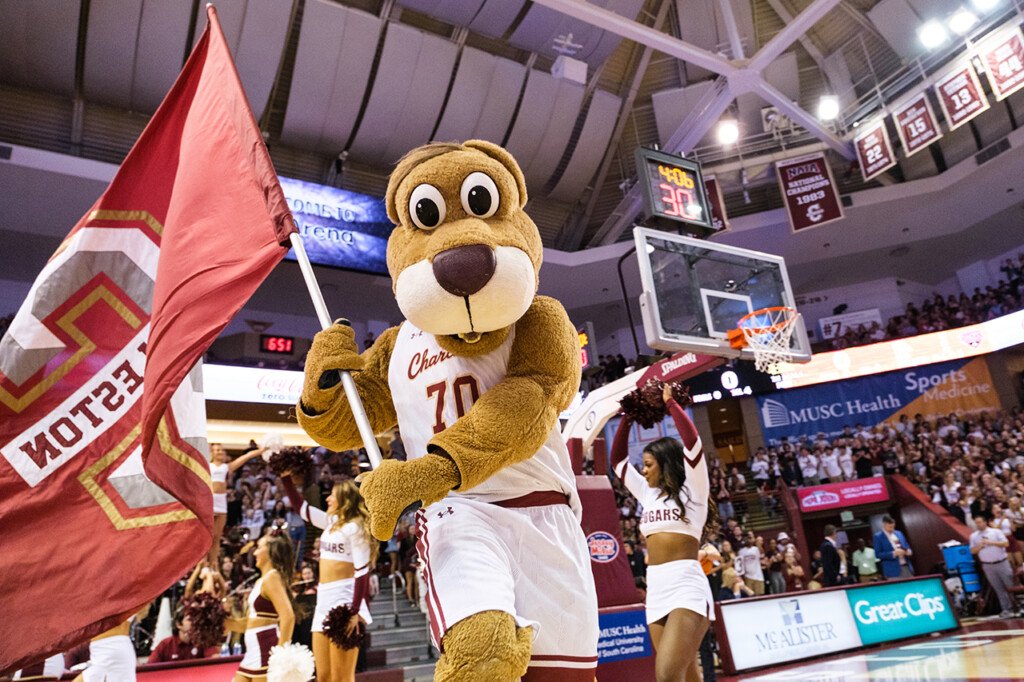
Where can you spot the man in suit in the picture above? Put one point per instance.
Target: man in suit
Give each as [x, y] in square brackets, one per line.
[893, 550]
[830, 557]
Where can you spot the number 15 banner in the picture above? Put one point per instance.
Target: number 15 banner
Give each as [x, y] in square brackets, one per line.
[916, 124]
[809, 191]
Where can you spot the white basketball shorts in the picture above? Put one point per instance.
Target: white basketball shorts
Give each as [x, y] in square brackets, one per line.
[529, 561]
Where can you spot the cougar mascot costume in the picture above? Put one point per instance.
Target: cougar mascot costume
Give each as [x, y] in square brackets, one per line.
[475, 379]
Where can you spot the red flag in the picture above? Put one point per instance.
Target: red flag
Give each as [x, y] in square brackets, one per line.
[104, 486]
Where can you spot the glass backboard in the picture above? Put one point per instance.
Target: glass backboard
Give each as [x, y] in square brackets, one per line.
[695, 291]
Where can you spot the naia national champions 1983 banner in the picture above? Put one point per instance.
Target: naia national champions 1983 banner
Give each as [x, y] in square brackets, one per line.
[960, 386]
[809, 191]
[104, 484]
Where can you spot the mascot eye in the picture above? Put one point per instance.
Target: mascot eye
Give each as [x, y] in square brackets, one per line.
[426, 206]
[479, 195]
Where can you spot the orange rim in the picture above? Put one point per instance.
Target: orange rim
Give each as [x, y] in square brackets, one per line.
[738, 337]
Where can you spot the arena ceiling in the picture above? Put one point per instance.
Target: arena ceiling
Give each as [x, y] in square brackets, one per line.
[342, 89]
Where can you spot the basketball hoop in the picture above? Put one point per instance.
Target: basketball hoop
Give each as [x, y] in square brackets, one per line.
[767, 333]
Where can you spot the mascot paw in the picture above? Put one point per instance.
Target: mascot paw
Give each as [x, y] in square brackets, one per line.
[393, 486]
[333, 349]
[485, 646]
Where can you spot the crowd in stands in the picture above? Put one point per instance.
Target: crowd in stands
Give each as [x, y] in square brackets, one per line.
[939, 313]
[972, 465]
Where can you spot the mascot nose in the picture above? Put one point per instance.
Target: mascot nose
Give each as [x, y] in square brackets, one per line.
[464, 270]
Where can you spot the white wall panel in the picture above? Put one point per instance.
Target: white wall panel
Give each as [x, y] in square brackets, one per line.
[542, 26]
[545, 122]
[332, 68]
[483, 98]
[110, 51]
[37, 44]
[897, 21]
[407, 96]
[256, 31]
[590, 148]
[671, 107]
[162, 37]
[496, 16]
[455, 12]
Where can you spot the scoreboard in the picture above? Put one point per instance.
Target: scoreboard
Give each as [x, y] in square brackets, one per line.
[674, 192]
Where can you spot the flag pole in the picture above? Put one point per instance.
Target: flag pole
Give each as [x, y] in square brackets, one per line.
[355, 404]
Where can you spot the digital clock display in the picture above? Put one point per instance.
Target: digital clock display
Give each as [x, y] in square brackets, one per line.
[674, 190]
[277, 344]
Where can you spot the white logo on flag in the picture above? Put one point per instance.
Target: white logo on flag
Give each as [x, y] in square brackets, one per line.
[774, 414]
[815, 213]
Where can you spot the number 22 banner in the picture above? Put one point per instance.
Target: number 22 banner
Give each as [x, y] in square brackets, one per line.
[874, 151]
[809, 191]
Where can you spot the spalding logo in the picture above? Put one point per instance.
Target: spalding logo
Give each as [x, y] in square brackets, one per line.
[603, 546]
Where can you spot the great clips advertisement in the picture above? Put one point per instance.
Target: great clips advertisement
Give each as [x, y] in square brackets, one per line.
[961, 386]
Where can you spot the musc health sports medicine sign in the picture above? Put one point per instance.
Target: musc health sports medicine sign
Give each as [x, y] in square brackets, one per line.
[623, 636]
[791, 627]
[962, 386]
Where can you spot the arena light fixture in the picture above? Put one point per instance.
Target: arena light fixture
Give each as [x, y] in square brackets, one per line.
[962, 21]
[728, 131]
[932, 34]
[828, 108]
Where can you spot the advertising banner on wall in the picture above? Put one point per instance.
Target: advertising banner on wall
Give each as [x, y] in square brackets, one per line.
[800, 625]
[837, 325]
[773, 630]
[623, 636]
[810, 192]
[874, 151]
[339, 228]
[1003, 57]
[916, 124]
[961, 386]
[889, 611]
[913, 351]
[844, 494]
[719, 219]
[960, 95]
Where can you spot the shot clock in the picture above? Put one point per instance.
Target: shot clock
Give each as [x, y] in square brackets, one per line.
[674, 193]
[279, 345]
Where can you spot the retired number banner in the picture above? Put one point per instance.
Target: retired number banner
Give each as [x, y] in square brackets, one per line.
[1003, 57]
[809, 191]
[960, 95]
[874, 152]
[916, 124]
[719, 219]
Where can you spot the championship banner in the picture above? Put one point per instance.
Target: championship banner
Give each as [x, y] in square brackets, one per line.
[719, 219]
[105, 489]
[874, 151]
[961, 387]
[960, 95]
[1003, 57]
[809, 191]
[916, 124]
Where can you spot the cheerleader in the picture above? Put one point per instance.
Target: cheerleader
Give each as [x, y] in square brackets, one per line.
[673, 490]
[220, 467]
[112, 654]
[347, 552]
[270, 617]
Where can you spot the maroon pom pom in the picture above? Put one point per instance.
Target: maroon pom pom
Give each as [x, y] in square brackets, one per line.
[290, 460]
[681, 394]
[335, 623]
[207, 616]
[644, 405]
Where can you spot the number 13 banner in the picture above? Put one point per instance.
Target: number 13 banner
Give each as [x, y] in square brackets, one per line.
[810, 192]
[960, 95]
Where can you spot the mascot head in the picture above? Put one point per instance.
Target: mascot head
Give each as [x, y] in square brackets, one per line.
[464, 257]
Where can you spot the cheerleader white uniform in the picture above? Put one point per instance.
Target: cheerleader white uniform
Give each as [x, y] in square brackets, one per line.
[675, 584]
[111, 659]
[219, 474]
[50, 669]
[348, 543]
[259, 640]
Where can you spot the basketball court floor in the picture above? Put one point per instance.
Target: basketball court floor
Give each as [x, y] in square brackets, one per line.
[985, 650]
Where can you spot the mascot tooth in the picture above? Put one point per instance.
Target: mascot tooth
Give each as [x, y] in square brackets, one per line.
[475, 378]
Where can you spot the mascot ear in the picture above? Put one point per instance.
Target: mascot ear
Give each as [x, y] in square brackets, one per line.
[502, 156]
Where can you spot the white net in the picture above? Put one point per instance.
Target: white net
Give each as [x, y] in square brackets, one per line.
[768, 334]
